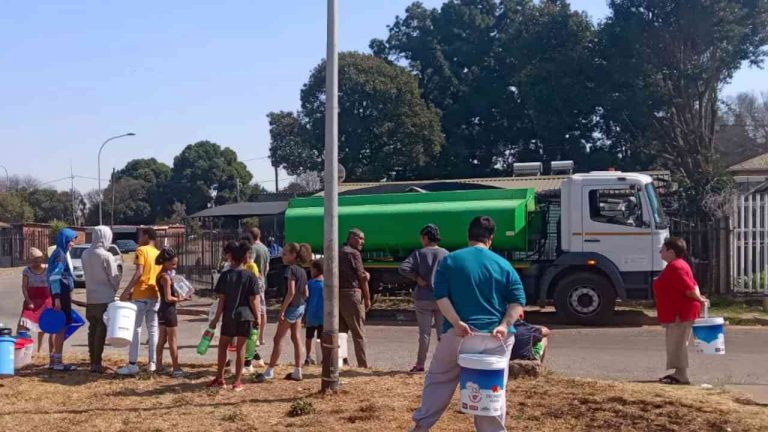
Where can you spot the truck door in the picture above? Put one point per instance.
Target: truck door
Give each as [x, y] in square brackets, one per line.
[616, 224]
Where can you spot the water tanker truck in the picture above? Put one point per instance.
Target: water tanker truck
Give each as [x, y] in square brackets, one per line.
[589, 242]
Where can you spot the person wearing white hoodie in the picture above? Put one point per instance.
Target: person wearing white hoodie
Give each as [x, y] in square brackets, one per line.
[102, 281]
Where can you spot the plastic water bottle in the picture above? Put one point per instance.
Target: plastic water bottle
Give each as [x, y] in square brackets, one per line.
[205, 341]
[251, 344]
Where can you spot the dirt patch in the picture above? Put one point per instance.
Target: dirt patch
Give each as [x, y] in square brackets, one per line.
[369, 401]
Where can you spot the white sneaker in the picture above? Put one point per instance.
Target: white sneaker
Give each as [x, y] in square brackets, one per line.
[248, 370]
[151, 367]
[128, 370]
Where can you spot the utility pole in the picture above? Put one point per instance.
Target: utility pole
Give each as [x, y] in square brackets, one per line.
[330, 338]
[112, 218]
[277, 185]
[72, 190]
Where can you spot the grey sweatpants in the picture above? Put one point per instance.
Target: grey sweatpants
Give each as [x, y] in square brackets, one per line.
[427, 313]
[443, 377]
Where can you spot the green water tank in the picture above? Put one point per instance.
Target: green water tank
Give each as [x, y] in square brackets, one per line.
[391, 222]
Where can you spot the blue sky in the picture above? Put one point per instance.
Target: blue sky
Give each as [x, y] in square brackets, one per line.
[174, 72]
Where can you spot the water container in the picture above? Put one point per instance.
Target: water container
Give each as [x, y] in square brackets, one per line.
[481, 384]
[343, 350]
[77, 322]
[120, 319]
[23, 350]
[709, 334]
[52, 321]
[7, 355]
[182, 286]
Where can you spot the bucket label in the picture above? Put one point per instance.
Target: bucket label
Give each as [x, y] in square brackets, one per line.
[482, 391]
[709, 339]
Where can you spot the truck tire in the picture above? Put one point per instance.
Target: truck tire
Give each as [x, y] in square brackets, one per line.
[585, 299]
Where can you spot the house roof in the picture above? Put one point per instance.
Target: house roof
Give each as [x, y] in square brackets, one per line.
[756, 163]
[245, 209]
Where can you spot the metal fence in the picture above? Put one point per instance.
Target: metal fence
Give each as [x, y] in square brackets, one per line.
[709, 251]
[749, 244]
[15, 246]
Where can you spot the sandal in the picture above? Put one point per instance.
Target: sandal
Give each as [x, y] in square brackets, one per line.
[671, 380]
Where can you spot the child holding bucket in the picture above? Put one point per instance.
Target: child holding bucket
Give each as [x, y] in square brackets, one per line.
[166, 313]
[678, 303]
[238, 292]
[37, 297]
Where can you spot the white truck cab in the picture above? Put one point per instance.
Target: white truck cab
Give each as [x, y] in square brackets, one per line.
[611, 229]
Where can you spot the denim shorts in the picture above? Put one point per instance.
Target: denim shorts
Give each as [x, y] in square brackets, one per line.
[294, 314]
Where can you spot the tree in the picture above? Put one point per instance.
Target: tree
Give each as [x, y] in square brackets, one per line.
[386, 131]
[50, 204]
[742, 131]
[205, 173]
[129, 208]
[14, 209]
[156, 175]
[665, 62]
[512, 80]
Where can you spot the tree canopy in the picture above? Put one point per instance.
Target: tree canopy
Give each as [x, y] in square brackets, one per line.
[205, 173]
[386, 130]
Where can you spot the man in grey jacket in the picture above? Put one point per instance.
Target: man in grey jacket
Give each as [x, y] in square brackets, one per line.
[420, 267]
[102, 281]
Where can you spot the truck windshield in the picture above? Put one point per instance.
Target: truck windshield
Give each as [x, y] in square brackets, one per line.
[656, 211]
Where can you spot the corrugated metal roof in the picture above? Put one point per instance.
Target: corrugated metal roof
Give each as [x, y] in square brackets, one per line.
[245, 209]
[541, 184]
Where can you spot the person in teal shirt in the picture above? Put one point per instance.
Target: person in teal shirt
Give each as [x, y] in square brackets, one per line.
[481, 297]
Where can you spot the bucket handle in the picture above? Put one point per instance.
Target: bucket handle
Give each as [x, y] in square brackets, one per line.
[500, 341]
[706, 310]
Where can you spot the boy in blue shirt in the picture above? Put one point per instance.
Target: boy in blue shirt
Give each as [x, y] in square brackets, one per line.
[314, 308]
[477, 291]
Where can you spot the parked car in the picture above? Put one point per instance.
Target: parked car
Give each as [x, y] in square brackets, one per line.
[77, 263]
[126, 246]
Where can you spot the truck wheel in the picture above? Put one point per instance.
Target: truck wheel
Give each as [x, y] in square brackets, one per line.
[585, 299]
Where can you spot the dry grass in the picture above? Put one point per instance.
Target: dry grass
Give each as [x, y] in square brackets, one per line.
[369, 401]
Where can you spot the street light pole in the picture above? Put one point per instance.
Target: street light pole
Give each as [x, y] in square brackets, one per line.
[98, 163]
[330, 338]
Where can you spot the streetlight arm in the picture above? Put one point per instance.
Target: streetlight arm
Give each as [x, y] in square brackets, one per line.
[98, 167]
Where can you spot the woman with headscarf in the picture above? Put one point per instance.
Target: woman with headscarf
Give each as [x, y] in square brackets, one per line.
[420, 267]
[37, 296]
[61, 282]
[102, 281]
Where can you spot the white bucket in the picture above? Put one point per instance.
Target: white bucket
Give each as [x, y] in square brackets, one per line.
[709, 336]
[481, 384]
[343, 350]
[23, 356]
[120, 319]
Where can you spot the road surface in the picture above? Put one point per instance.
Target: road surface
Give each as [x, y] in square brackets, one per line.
[630, 354]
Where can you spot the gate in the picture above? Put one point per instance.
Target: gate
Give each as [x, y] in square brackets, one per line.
[749, 244]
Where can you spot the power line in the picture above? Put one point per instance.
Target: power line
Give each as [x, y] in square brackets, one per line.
[255, 159]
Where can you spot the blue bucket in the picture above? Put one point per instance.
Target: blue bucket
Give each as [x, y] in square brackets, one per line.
[709, 336]
[77, 322]
[7, 354]
[52, 321]
[482, 381]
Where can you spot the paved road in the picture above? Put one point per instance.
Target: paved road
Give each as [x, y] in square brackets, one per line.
[615, 353]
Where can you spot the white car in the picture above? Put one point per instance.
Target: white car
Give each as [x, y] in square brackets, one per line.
[77, 264]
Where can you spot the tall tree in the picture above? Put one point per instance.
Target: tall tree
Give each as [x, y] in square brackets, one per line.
[511, 78]
[156, 175]
[386, 131]
[205, 173]
[129, 206]
[665, 63]
[50, 204]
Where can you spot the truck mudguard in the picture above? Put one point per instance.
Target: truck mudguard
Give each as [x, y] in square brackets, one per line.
[582, 259]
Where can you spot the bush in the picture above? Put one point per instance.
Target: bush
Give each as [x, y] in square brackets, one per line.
[301, 407]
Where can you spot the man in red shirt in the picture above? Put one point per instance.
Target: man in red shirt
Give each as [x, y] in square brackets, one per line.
[678, 303]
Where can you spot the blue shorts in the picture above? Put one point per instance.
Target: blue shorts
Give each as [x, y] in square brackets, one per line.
[294, 314]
